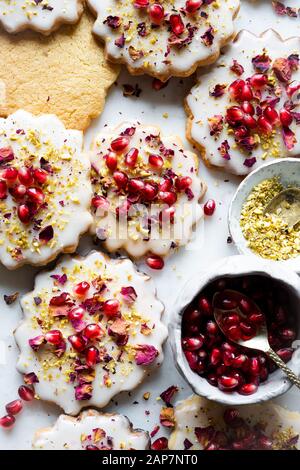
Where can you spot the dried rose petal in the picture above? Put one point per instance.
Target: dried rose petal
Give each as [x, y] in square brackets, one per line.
[205, 435]
[282, 69]
[98, 435]
[36, 343]
[120, 42]
[208, 37]
[30, 378]
[83, 392]
[294, 61]
[261, 63]
[113, 22]
[154, 431]
[218, 91]
[224, 150]
[61, 279]
[160, 444]
[145, 354]
[46, 234]
[10, 299]
[237, 68]
[291, 12]
[60, 349]
[279, 8]
[289, 138]
[168, 394]
[292, 88]
[249, 162]
[187, 444]
[167, 417]
[129, 294]
[215, 124]
[6, 155]
[59, 300]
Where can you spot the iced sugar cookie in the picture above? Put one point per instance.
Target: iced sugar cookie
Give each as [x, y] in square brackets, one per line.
[164, 38]
[41, 15]
[92, 329]
[44, 189]
[146, 190]
[205, 425]
[245, 111]
[64, 74]
[91, 431]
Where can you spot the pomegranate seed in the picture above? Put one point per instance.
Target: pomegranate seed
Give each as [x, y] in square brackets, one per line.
[245, 306]
[168, 197]
[247, 330]
[271, 114]
[177, 25]
[205, 306]
[286, 117]
[156, 161]
[120, 143]
[150, 192]
[82, 288]
[192, 6]
[228, 347]
[99, 201]
[240, 361]
[264, 125]
[155, 262]
[10, 174]
[192, 359]
[201, 367]
[3, 190]
[238, 376]
[77, 313]
[166, 185]
[26, 393]
[7, 421]
[215, 356]
[53, 337]
[24, 213]
[258, 80]
[257, 318]
[156, 13]
[111, 307]
[248, 108]
[141, 3]
[40, 176]
[202, 354]
[25, 176]
[111, 161]
[78, 342]
[226, 383]
[18, 191]
[209, 207]
[36, 195]
[265, 443]
[231, 319]
[192, 316]
[285, 354]
[264, 374]
[249, 121]
[167, 215]
[160, 444]
[212, 379]
[131, 157]
[228, 358]
[92, 331]
[136, 186]
[183, 183]
[121, 179]
[234, 115]
[246, 93]
[228, 303]
[235, 88]
[247, 389]
[14, 407]
[123, 210]
[254, 366]
[192, 344]
[233, 333]
[287, 334]
[212, 328]
[91, 356]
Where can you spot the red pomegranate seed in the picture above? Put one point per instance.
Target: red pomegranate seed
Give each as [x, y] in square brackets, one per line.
[40, 176]
[36, 195]
[120, 143]
[264, 125]
[233, 333]
[254, 366]
[238, 376]
[231, 319]
[248, 108]
[177, 25]
[209, 207]
[215, 357]
[77, 313]
[155, 262]
[121, 179]
[205, 306]
[26, 393]
[82, 288]
[287, 334]
[111, 307]
[156, 13]
[245, 306]
[166, 185]
[25, 176]
[92, 331]
[226, 383]
[256, 318]
[91, 356]
[192, 6]
[246, 93]
[150, 192]
[167, 215]
[192, 359]
[14, 407]
[247, 389]
[212, 328]
[19, 191]
[3, 190]
[234, 115]
[183, 183]
[285, 354]
[136, 186]
[271, 114]
[9, 174]
[168, 197]
[192, 316]
[235, 89]
[192, 344]
[241, 132]
[24, 213]
[258, 80]
[286, 117]
[131, 157]
[160, 444]
[156, 161]
[212, 379]
[53, 337]
[228, 347]
[249, 121]
[77, 342]
[111, 161]
[7, 421]
[240, 361]
[141, 3]
[264, 374]
[229, 304]
[247, 330]
[100, 201]
[227, 358]
[201, 367]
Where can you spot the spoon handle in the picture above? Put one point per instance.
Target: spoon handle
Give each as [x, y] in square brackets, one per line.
[279, 362]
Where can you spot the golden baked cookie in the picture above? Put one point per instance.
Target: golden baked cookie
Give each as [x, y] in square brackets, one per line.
[64, 74]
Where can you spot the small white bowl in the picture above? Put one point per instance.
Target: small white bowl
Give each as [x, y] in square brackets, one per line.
[235, 266]
[288, 169]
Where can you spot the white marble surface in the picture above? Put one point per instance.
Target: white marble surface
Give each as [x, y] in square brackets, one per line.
[209, 245]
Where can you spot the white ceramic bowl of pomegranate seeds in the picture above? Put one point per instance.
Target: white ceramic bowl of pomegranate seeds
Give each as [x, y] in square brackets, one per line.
[288, 171]
[216, 367]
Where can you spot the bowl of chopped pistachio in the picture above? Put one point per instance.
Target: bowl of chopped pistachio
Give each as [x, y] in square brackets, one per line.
[264, 215]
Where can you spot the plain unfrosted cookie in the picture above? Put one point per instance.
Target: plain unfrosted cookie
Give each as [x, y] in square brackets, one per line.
[91, 431]
[107, 336]
[166, 38]
[65, 74]
[43, 16]
[198, 422]
[45, 189]
[245, 112]
[146, 190]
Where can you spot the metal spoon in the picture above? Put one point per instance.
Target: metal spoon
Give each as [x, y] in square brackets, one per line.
[259, 341]
[286, 205]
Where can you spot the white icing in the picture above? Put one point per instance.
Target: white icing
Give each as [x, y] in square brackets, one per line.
[179, 62]
[196, 411]
[203, 106]
[53, 385]
[40, 15]
[188, 213]
[45, 136]
[70, 433]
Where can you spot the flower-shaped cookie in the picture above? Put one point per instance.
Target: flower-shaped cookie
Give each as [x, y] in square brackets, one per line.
[245, 111]
[205, 425]
[91, 431]
[44, 189]
[92, 329]
[146, 190]
[164, 38]
[41, 15]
